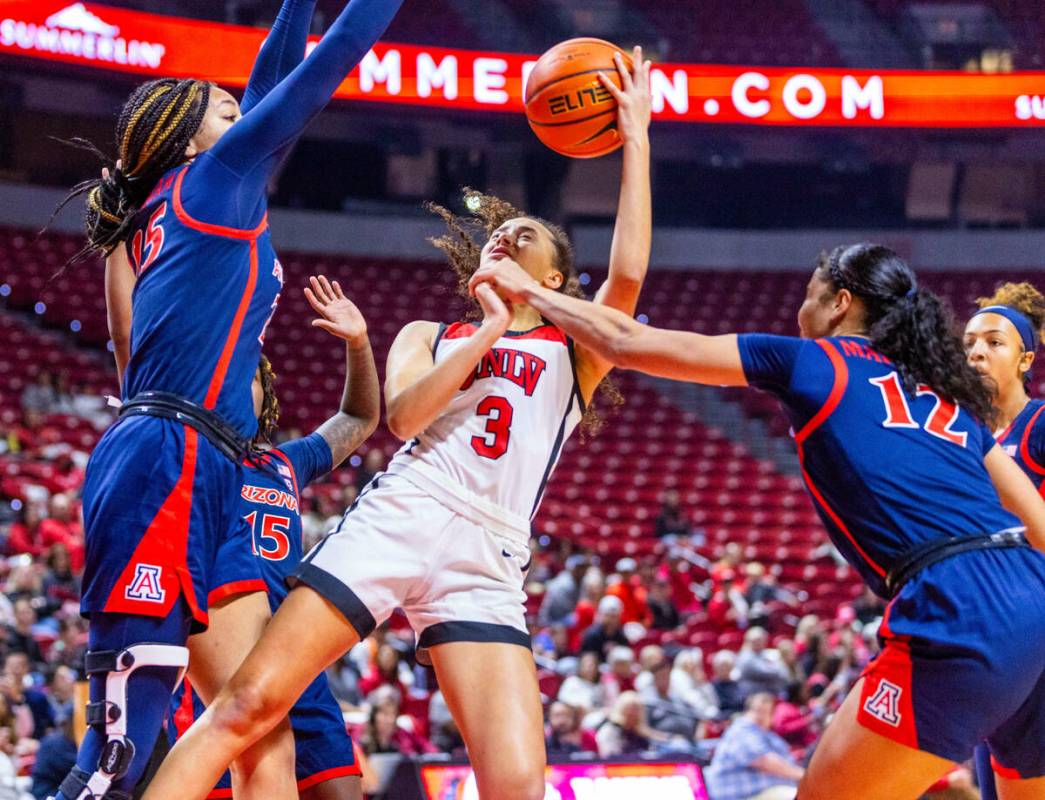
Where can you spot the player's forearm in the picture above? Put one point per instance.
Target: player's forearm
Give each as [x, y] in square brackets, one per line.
[414, 408]
[283, 50]
[119, 287]
[601, 329]
[633, 231]
[360, 409]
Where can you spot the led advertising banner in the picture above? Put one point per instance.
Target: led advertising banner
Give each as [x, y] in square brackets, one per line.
[96, 36]
[581, 782]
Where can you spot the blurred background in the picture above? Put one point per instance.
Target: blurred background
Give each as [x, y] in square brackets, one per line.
[688, 508]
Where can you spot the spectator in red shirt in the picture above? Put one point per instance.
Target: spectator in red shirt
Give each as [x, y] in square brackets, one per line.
[563, 735]
[681, 576]
[384, 733]
[728, 564]
[727, 607]
[592, 589]
[25, 536]
[62, 526]
[384, 672]
[631, 593]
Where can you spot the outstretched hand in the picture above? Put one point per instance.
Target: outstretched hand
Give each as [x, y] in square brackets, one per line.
[634, 101]
[337, 314]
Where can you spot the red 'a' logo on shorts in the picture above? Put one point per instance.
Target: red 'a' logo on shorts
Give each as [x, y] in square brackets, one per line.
[146, 584]
[884, 704]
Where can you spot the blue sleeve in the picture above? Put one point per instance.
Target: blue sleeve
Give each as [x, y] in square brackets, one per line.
[283, 50]
[769, 361]
[310, 456]
[227, 184]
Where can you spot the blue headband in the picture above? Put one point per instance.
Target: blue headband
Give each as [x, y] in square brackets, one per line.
[1019, 320]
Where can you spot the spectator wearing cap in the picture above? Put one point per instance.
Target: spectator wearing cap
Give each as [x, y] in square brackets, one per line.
[727, 688]
[632, 594]
[751, 762]
[563, 735]
[606, 632]
[562, 593]
[758, 668]
[666, 711]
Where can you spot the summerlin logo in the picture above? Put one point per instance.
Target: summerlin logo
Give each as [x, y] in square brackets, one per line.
[76, 31]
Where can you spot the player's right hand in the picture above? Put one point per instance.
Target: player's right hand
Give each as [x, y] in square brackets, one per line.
[634, 100]
[496, 314]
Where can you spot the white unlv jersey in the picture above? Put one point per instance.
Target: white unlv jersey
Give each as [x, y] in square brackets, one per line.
[501, 435]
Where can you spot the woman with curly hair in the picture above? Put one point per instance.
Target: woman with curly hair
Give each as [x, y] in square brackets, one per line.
[913, 490]
[443, 533]
[1001, 341]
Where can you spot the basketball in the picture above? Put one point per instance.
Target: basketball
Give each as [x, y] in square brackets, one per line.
[567, 106]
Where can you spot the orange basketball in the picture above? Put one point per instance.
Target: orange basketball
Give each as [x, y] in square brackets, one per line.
[567, 106]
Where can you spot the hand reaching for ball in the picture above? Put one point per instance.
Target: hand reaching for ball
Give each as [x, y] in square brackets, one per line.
[634, 103]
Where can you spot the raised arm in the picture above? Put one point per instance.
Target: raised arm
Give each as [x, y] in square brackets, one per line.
[229, 182]
[616, 338]
[119, 286]
[360, 409]
[417, 390]
[283, 50]
[633, 230]
[1017, 494]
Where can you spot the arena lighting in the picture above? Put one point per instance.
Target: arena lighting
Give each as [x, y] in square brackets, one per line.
[99, 37]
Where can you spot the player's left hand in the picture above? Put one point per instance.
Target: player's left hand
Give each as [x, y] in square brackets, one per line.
[507, 277]
[338, 315]
[634, 101]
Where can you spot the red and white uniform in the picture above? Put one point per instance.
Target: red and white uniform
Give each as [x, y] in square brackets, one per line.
[444, 532]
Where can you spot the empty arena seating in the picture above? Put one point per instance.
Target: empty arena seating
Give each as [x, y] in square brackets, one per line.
[741, 32]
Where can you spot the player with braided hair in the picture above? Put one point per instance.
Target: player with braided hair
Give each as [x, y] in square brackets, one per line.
[184, 208]
[1001, 342]
[484, 408]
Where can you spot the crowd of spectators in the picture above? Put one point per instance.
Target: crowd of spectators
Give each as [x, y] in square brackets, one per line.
[618, 671]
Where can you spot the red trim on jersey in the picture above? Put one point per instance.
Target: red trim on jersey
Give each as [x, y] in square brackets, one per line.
[207, 227]
[164, 546]
[293, 474]
[548, 333]
[186, 714]
[1005, 772]
[236, 587]
[1025, 444]
[834, 398]
[329, 775]
[218, 378]
[838, 388]
[886, 703]
[220, 794]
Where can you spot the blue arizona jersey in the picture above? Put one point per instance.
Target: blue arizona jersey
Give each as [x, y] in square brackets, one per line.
[1024, 440]
[887, 471]
[203, 298]
[270, 504]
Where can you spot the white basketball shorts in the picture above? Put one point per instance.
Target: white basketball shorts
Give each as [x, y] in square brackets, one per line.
[456, 573]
